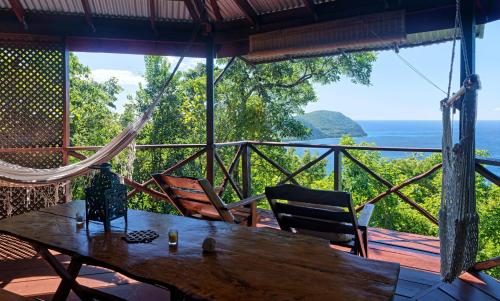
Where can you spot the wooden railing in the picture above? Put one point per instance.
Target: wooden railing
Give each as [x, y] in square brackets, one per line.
[245, 149]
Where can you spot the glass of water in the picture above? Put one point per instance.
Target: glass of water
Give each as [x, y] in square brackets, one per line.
[79, 219]
[173, 238]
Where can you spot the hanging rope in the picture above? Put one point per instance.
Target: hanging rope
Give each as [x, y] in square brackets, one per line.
[458, 218]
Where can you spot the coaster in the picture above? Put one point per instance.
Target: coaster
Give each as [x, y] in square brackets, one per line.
[144, 236]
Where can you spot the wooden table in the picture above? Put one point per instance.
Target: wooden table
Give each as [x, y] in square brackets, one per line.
[249, 263]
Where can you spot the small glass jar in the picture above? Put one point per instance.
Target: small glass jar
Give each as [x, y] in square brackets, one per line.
[173, 238]
[79, 219]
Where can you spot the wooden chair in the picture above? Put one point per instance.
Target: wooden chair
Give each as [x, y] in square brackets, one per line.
[197, 198]
[325, 214]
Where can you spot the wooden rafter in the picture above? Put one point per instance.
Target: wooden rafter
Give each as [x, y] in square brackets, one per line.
[18, 10]
[200, 6]
[309, 4]
[88, 14]
[248, 11]
[216, 10]
[192, 11]
[152, 15]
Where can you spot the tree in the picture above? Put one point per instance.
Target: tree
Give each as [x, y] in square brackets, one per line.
[92, 119]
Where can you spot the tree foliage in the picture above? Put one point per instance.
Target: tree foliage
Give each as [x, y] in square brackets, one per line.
[260, 103]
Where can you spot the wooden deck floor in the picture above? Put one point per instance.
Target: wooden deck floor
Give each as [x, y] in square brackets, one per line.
[24, 273]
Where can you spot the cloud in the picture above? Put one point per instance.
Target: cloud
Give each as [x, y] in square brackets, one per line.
[187, 63]
[496, 109]
[125, 77]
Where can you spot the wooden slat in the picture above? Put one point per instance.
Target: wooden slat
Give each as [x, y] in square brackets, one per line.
[316, 225]
[313, 212]
[200, 208]
[190, 195]
[181, 182]
[462, 291]
[409, 289]
[483, 282]
[302, 194]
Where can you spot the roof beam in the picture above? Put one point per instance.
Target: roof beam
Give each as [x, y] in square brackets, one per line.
[200, 6]
[88, 14]
[309, 4]
[18, 10]
[152, 15]
[216, 10]
[248, 11]
[192, 11]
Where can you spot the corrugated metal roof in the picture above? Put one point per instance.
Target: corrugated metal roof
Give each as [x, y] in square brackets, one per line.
[269, 6]
[53, 6]
[229, 10]
[4, 4]
[172, 11]
[120, 8]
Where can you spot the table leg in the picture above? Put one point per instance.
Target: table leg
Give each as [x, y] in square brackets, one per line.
[68, 279]
[65, 287]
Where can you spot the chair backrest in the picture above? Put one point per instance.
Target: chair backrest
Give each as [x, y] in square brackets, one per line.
[193, 197]
[313, 212]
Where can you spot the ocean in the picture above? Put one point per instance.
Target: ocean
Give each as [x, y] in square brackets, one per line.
[426, 134]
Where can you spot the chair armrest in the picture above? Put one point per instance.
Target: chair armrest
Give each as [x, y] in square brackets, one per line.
[246, 201]
[365, 216]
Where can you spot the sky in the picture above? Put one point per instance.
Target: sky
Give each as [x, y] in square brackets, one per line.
[396, 92]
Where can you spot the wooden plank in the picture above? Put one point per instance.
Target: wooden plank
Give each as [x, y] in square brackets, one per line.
[313, 212]
[462, 291]
[409, 289]
[190, 195]
[405, 258]
[8, 296]
[436, 295]
[297, 222]
[308, 277]
[426, 244]
[483, 282]
[305, 195]
[421, 277]
[181, 182]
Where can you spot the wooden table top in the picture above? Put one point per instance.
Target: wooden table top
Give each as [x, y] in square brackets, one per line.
[249, 263]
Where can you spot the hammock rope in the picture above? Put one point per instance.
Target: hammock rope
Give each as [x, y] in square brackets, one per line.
[458, 218]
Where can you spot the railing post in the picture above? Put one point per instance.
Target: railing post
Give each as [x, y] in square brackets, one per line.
[337, 169]
[210, 135]
[246, 175]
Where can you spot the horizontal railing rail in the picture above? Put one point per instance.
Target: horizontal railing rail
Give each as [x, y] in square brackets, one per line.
[243, 153]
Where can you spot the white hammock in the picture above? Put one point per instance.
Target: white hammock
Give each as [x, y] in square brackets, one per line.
[17, 175]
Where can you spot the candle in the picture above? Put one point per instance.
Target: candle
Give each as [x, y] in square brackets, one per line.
[173, 238]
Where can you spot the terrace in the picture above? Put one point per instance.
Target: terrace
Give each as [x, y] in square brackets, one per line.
[228, 29]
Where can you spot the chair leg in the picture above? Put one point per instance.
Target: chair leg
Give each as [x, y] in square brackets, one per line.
[365, 241]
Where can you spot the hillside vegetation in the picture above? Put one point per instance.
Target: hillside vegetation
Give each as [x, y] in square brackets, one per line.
[330, 124]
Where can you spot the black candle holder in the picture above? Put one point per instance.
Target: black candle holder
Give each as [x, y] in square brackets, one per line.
[106, 198]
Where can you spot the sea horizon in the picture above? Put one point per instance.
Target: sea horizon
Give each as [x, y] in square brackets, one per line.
[417, 134]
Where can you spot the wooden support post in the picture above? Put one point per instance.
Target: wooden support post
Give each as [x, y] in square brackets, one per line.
[468, 106]
[210, 111]
[337, 170]
[246, 175]
[66, 121]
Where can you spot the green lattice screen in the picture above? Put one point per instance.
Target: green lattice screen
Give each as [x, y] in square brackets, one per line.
[32, 105]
